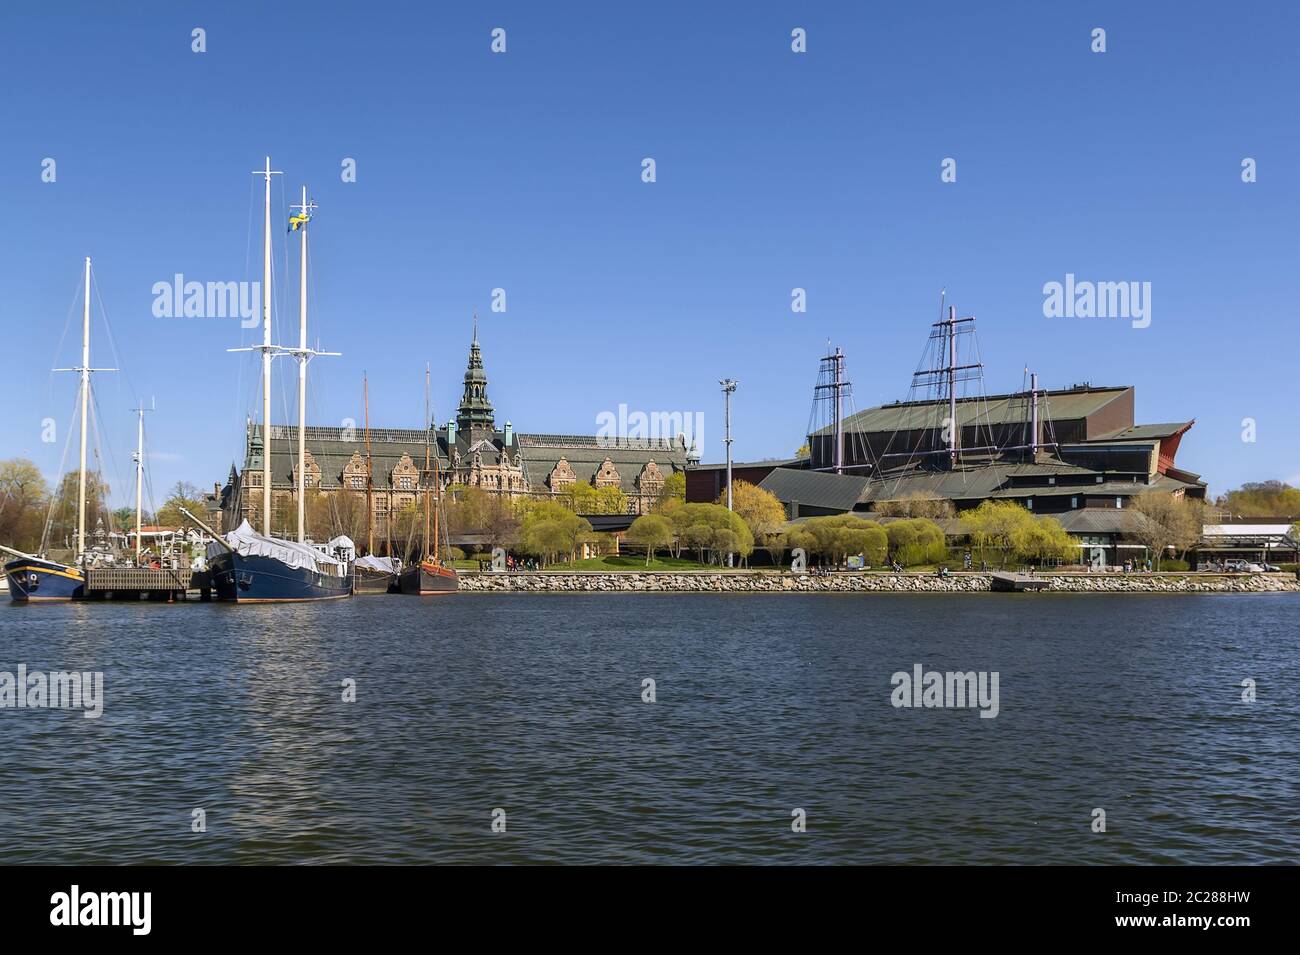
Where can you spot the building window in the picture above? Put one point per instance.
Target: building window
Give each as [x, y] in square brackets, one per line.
[357, 483]
[1119, 502]
[1029, 503]
[1074, 502]
[405, 483]
[1051, 480]
[1098, 478]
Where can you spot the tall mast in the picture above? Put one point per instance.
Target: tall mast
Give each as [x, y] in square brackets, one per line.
[85, 405]
[84, 371]
[305, 208]
[266, 348]
[139, 478]
[426, 458]
[953, 430]
[370, 531]
[266, 355]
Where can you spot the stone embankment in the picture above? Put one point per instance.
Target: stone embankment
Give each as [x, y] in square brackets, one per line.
[849, 582]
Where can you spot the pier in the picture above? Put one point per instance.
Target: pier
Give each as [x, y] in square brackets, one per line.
[1017, 583]
[147, 583]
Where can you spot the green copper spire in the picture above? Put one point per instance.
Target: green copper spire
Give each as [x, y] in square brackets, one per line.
[474, 417]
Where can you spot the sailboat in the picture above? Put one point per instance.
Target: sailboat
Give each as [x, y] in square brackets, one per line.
[430, 576]
[252, 567]
[31, 577]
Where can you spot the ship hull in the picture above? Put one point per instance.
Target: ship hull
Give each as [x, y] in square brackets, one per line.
[37, 581]
[374, 582]
[255, 579]
[427, 580]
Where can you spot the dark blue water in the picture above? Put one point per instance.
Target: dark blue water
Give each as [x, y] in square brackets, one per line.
[532, 704]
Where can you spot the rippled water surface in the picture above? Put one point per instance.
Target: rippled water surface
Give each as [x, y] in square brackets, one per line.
[765, 704]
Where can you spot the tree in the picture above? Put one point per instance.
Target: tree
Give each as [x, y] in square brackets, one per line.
[24, 497]
[1042, 538]
[1189, 524]
[761, 511]
[674, 489]
[995, 524]
[63, 516]
[583, 498]
[697, 526]
[651, 531]
[835, 537]
[914, 541]
[802, 451]
[549, 528]
[1262, 499]
[916, 504]
[185, 495]
[1156, 526]
[474, 511]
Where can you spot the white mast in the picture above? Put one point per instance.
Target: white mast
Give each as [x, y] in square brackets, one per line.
[84, 371]
[267, 349]
[266, 355]
[303, 354]
[139, 478]
[85, 403]
[302, 370]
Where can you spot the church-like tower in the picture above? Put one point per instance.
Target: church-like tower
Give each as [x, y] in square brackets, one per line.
[474, 417]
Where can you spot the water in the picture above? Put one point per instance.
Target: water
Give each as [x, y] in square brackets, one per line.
[765, 704]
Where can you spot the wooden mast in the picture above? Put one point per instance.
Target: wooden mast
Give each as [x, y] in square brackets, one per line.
[426, 458]
[370, 531]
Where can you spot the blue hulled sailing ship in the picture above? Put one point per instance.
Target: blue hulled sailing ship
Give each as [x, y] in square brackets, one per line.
[252, 567]
[35, 578]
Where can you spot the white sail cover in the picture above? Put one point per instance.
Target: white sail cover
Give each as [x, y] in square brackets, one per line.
[249, 543]
[386, 565]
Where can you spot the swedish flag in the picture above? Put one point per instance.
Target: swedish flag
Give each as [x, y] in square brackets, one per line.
[296, 222]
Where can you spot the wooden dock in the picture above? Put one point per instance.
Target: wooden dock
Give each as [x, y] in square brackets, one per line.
[146, 583]
[1016, 583]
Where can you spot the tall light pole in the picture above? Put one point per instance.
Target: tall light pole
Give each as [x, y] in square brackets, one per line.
[728, 389]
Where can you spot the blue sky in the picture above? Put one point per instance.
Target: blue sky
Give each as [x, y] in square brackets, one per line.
[775, 170]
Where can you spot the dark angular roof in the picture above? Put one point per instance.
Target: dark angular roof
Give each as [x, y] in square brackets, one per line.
[1060, 405]
[815, 488]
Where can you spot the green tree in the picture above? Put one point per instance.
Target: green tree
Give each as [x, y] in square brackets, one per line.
[914, 541]
[549, 529]
[835, 537]
[674, 489]
[651, 531]
[24, 497]
[186, 495]
[994, 525]
[762, 513]
[1262, 499]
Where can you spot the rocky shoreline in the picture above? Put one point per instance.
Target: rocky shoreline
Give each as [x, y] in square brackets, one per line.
[761, 582]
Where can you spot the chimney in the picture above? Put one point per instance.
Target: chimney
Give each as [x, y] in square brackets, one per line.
[451, 436]
[508, 434]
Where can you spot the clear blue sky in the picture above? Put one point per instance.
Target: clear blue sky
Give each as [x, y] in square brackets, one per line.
[775, 170]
